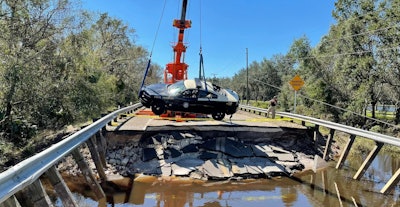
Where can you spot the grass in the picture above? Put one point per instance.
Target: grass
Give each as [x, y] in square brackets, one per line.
[382, 115]
[260, 104]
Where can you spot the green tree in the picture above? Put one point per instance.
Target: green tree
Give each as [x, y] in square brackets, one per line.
[29, 30]
[355, 65]
[388, 39]
[61, 66]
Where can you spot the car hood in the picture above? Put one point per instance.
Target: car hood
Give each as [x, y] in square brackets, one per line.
[232, 95]
[158, 88]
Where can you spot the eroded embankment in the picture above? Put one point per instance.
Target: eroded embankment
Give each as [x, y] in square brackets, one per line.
[212, 153]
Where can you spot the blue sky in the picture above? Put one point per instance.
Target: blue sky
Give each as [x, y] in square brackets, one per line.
[226, 28]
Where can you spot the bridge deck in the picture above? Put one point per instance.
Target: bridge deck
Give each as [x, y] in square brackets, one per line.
[246, 145]
[143, 122]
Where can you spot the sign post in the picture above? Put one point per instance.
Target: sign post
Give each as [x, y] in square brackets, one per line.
[296, 84]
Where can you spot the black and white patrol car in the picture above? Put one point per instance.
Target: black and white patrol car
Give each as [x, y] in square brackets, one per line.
[194, 95]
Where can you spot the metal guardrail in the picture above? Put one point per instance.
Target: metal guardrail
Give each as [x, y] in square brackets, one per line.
[26, 172]
[332, 125]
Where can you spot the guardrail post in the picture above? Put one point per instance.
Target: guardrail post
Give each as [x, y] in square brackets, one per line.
[316, 140]
[316, 131]
[346, 151]
[111, 122]
[38, 195]
[391, 184]
[368, 161]
[328, 144]
[91, 143]
[88, 174]
[316, 128]
[60, 187]
[10, 202]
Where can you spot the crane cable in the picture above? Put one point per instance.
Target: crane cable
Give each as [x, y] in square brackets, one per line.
[152, 47]
[201, 64]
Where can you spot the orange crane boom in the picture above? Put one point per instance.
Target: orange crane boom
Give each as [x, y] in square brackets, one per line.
[177, 70]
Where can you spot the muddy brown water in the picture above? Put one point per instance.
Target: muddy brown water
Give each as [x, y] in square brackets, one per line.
[326, 187]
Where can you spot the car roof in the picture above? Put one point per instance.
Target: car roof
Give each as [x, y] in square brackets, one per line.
[190, 83]
[197, 83]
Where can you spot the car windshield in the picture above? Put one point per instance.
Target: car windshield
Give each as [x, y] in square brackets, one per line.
[176, 88]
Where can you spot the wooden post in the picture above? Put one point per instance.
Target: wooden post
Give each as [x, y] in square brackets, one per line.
[10, 202]
[102, 147]
[316, 139]
[354, 201]
[315, 166]
[368, 161]
[328, 144]
[324, 181]
[61, 188]
[101, 144]
[91, 143]
[313, 179]
[38, 195]
[316, 131]
[88, 174]
[391, 184]
[338, 195]
[346, 151]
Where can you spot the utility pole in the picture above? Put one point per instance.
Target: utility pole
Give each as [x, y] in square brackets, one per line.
[247, 70]
[214, 78]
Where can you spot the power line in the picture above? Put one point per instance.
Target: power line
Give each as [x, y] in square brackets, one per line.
[368, 32]
[333, 106]
[363, 33]
[158, 28]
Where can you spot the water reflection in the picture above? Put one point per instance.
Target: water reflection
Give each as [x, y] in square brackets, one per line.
[179, 194]
[328, 187]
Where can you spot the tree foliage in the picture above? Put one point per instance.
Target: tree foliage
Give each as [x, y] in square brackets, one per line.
[354, 67]
[61, 65]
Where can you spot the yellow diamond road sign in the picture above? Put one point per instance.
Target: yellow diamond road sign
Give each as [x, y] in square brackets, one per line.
[296, 83]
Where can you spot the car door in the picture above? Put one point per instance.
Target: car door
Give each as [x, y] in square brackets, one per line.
[187, 100]
[207, 100]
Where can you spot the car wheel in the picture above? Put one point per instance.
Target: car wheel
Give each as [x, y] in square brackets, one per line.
[158, 107]
[218, 115]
